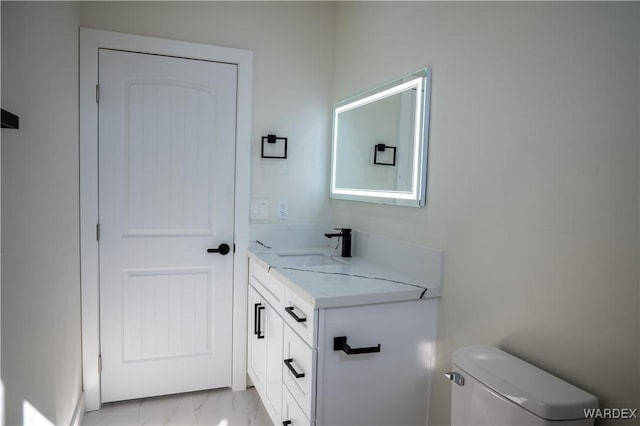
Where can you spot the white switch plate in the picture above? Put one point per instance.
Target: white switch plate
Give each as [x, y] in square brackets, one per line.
[259, 208]
[283, 209]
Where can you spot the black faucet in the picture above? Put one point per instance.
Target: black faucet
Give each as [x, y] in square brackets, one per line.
[345, 233]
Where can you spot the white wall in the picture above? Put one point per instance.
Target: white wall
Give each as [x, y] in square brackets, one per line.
[533, 181]
[533, 177]
[41, 357]
[293, 64]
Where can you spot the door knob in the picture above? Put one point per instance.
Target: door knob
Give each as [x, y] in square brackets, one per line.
[222, 249]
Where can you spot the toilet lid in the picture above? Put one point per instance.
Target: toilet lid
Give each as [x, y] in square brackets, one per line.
[539, 392]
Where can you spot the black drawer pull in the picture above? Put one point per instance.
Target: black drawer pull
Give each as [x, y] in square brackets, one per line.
[260, 335]
[340, 344]
[286, 423]
[255, 318]
[288, 362]
[289, 309]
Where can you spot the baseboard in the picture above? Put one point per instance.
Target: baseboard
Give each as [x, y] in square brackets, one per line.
[78, 413]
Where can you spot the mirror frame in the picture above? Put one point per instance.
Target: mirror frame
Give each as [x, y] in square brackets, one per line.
[416, 197]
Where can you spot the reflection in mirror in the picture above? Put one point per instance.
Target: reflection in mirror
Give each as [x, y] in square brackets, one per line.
[379, 150]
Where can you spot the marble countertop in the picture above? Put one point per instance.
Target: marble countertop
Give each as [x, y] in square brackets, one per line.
[344, 282]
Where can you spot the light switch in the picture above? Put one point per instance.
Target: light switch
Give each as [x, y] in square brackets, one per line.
[259, 208]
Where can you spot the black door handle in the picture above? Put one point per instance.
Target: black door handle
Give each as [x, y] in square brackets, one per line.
[256, 321]
[260, 334]
[340, 344]
[222, 249]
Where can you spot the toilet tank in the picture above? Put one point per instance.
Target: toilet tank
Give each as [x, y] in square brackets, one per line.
[499, 389]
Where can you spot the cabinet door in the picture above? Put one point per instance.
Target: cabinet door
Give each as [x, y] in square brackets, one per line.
[361, 386]
[273, 331]
[256, 344]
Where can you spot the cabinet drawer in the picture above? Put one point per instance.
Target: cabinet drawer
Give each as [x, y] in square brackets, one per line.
[270, 288]
[298, 371]
[292, 414]
[300, 316]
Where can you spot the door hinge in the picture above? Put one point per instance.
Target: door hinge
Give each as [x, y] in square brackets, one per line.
[97, 93]
[97, 232]
[99, 363]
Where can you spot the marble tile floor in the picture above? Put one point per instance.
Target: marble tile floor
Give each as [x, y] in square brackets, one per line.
[219, 407]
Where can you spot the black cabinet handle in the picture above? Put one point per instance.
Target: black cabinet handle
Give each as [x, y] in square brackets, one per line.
[260, 335]
[222, 249]
[289, 309]
[340, 344]
[255, 318]
[288, 362]
[286, 423]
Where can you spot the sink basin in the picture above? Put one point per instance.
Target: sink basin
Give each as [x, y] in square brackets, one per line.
[310, 259]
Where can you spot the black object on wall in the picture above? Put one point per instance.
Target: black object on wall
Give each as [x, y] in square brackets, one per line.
[382, 148]
[10, 121]
[271, 140]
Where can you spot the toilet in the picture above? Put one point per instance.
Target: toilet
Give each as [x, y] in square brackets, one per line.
[493, 388]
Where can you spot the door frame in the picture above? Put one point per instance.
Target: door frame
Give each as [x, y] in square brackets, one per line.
[90, 41]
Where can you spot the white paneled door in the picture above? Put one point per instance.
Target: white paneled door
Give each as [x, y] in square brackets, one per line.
[166, 195]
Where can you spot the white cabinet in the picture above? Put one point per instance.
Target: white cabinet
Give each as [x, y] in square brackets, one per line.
[352, 365]
[265, 352]
[389, 387]
[257, 345]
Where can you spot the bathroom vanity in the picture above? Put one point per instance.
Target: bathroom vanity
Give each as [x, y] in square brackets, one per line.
[339, 341]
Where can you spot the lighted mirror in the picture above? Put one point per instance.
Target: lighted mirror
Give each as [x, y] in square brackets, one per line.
[379, 147]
